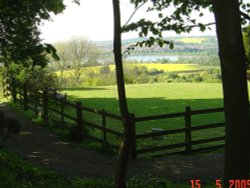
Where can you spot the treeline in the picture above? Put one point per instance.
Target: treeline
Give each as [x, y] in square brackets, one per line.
[104, 75]
[196, 58]
[195, 46]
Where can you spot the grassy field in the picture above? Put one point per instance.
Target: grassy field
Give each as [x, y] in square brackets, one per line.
[150, 99]
[147, 100]
[156, 99]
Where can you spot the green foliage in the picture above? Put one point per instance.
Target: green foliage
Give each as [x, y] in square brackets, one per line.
[246, 40]
[22, 52]
[145, 73]
[179, 20]
[154, 99]
[177, 16]
[19, 31]
[37, 78]
[75, 54]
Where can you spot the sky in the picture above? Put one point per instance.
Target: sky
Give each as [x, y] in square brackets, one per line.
[93, 19]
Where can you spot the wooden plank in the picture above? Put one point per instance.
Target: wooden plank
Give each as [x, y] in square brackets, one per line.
[60, 113]
[157, 117]
[188, 133]
[69, 117]
[104, 125]
[54, 110]
[159, 148]
[100, 112]
[209, 126]
[133, 137]
[166, 132]
[113, 116]
[73, 105]
[206, 111]
[116, 133]
[209, 148]
[92, 110]
[208, 140]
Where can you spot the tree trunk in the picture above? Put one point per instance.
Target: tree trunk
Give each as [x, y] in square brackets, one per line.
[123, 155]
[236, 102]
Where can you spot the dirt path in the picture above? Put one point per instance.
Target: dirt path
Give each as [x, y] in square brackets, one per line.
[37, 145]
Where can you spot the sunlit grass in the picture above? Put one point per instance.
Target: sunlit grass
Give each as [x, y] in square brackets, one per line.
[155, 98]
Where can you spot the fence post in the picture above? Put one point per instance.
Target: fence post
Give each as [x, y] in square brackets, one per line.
[62, 109]
[25, 97]
[45, 104]
[104, 127]
[14, 90]
[133, 136]
[188, 125]
[79, 118]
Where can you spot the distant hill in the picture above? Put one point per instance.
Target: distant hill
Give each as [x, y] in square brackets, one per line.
[183, 44]
[187, 49]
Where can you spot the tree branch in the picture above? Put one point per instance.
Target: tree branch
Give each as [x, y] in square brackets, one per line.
[245, 16]
[131, 16]
[205, 25]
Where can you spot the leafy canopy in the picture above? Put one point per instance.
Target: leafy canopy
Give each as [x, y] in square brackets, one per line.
[19, 30]
[179, 16]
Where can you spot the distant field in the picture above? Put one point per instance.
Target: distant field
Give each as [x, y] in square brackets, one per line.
[150, 66]
[196, 40]
[171, 67]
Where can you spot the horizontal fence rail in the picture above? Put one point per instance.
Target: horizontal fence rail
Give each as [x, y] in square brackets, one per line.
[51, 101]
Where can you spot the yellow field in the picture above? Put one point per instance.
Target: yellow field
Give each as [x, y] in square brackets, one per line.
[192, 40]
[150, 66]
[171, 67]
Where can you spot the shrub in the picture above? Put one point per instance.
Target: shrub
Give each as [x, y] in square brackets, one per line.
[9, 127]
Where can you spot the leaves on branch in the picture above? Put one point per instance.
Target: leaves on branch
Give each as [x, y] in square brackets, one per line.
[150, 42]
[19, 31]
[178, 20]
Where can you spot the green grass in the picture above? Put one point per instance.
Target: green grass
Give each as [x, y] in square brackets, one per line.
[156, 99]
[149, 99]
[146, 100]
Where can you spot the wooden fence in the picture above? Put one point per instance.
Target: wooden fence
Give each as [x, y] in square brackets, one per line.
[42, 103]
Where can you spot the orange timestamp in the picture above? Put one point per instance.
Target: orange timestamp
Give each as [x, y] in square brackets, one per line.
[196, 183]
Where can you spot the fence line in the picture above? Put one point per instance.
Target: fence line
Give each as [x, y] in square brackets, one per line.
[44, 98]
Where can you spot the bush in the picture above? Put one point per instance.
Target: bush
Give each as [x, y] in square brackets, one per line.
[8, 127]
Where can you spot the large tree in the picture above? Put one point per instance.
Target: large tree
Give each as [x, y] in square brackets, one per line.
[236, 101]
[122, 158]
[229, 18]
[246, 39]
[19, 31]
